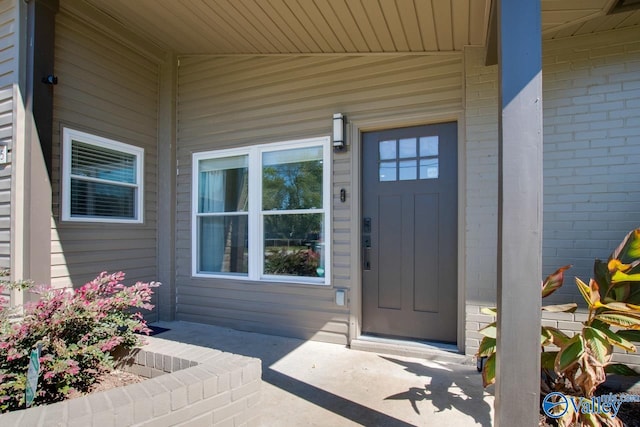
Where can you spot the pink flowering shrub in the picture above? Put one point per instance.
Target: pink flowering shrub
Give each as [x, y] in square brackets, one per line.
[78, 332]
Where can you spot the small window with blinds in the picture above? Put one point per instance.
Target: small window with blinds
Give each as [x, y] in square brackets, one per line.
[101, 179]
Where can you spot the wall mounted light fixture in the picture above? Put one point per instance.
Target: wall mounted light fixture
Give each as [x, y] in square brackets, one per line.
[339, 144]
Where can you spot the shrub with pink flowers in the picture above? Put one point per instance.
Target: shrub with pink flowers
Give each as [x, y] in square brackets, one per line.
[78, 332]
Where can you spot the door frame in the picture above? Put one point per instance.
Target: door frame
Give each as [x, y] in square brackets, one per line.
[356, 128]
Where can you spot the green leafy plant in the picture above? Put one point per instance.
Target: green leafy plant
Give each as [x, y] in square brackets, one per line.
[13, 284]
[576, 365]
[78, 332]
[301, 262]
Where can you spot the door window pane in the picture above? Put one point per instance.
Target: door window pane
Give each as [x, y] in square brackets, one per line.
[408, 170]
[394, 162]
[429, 168]
[387, 171]
[223, 244]
[428, 146]
[387, 150]
[293, 245]
[407, 148]
[292, 179]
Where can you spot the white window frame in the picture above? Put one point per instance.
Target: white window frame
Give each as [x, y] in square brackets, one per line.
[255, 223]
[70, 135]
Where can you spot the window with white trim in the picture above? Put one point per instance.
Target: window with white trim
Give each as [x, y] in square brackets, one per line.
[101, 179]
[262, 212]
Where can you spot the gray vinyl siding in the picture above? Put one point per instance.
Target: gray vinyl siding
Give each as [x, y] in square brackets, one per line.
[107, 89]
[8, 78]
[233, 101]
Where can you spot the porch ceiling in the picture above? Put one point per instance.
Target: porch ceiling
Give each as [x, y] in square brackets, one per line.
[334, 26]
[595, 19]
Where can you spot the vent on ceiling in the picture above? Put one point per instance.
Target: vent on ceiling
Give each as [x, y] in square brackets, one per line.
[624, 6]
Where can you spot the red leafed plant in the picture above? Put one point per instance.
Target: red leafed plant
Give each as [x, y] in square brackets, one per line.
[78, 332]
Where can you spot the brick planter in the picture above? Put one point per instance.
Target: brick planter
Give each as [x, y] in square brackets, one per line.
[187, 386]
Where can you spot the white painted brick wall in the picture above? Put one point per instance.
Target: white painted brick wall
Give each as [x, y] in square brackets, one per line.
[481, 152]
[592, 149]
[191, 386]
[591, 101]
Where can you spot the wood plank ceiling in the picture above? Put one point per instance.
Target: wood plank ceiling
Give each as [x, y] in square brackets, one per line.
[303, 26]
[336, 26]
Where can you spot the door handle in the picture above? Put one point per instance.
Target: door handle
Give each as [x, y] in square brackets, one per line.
[366, 262]
[366, 244]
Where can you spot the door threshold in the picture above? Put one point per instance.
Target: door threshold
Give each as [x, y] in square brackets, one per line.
[435, 351]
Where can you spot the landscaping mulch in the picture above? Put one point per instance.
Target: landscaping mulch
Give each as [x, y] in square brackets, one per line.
[109, 380]
[115, 378]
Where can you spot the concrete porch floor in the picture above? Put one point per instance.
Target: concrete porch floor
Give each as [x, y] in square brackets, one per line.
[308, 383]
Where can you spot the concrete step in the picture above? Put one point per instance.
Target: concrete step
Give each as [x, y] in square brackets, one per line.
[437, 352]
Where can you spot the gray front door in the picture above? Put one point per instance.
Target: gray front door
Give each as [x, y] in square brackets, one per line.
[409, 230]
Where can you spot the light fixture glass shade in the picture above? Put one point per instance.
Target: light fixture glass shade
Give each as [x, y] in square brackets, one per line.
[338, 131]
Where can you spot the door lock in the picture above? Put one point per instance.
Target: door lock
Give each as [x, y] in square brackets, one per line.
[366, 252]
[366, 225]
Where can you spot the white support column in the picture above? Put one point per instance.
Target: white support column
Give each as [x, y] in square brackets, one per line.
[520, 212]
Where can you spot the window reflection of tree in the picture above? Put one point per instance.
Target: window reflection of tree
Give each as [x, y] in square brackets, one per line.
[234, 258]
[292, 237]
